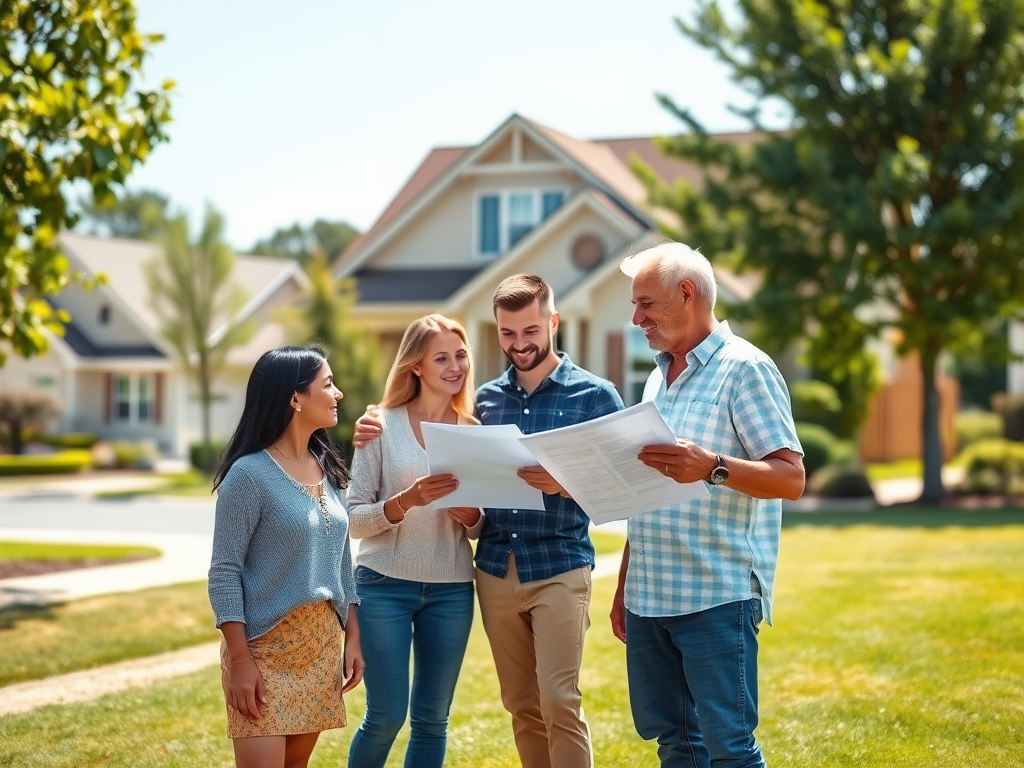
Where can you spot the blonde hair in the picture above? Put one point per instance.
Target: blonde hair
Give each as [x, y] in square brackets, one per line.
[403, 385]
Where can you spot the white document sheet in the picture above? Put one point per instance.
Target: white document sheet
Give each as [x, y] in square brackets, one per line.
[596, 462]
[484, 460]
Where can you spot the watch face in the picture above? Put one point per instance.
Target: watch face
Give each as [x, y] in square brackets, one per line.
[719, 475]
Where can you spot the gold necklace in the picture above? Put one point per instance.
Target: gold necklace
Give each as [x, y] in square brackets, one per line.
[315, 491]
[318, 492]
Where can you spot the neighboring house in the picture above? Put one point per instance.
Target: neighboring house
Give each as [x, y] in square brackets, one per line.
[117, 377]
[531, 199]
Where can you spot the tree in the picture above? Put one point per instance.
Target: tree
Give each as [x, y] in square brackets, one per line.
[325, 318]
[70, 111]
[896, 198]
[300, 243]
[22, 408]
[142, 215]
[192, 292]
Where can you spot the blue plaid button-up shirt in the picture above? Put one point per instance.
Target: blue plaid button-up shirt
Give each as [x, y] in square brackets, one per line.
[730, 399]
[556, 540]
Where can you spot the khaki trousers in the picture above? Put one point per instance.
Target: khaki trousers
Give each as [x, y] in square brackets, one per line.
[536, 633]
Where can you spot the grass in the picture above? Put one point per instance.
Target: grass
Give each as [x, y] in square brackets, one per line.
[38, 641]
[606, 543]
[897, 644]
[23, 550]
[190, 483]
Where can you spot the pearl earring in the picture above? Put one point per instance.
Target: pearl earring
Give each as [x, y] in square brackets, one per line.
[298, 408]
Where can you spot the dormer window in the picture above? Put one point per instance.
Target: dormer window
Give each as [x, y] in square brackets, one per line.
[103, 316]
[504, 217]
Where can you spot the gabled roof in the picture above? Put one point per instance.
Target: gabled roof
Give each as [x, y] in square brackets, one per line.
[122, 262]
[604, 161]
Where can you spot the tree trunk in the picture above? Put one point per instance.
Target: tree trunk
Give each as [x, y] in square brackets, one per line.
[933, 489]
[17, 436]
[204, 406]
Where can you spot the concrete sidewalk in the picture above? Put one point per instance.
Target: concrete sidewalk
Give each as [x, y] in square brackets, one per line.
[184, 558]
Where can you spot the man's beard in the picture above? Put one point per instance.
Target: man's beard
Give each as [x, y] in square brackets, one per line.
[540, 356]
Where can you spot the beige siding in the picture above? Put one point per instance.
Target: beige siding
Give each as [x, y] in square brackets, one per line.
[84, 307]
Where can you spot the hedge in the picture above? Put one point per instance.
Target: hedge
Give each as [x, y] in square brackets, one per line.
[60, 463]
[993, 467]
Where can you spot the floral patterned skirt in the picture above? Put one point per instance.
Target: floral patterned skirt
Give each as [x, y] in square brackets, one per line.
[301, 663]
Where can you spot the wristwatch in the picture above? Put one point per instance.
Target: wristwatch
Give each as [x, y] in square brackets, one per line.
[720, 473]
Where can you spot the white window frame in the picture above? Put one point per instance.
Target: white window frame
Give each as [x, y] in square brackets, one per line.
[134, 398]
[632, 339]
[504, 196]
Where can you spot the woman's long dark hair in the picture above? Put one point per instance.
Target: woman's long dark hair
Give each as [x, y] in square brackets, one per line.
[277, 375]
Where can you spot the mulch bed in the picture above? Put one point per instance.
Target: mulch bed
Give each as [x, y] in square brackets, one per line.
[10, 569]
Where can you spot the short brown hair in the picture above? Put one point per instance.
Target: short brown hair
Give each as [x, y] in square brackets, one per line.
[520, 291]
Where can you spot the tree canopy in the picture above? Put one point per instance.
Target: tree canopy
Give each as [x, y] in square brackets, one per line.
[301, 242]
[324, 318]
[71, 111]
[136, 215]
[895, 200]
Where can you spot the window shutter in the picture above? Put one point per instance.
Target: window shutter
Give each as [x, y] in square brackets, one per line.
[158, 398]
[489, 224]
[108, 396]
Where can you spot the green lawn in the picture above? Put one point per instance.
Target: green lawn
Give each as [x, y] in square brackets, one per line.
[190, 483]
[897, 643]
[30, 550]
[38, 641]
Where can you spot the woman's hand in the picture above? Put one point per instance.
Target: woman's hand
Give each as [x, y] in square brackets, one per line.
[468, 516]
[245, 691]
[428, 489]
[353, 663]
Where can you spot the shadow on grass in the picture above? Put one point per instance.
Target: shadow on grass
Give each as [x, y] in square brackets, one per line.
[12, 615]
[909, 516]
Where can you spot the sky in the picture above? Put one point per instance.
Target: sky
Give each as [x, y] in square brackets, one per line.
[290, 112]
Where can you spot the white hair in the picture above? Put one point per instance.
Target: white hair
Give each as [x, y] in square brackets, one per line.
[676, 262]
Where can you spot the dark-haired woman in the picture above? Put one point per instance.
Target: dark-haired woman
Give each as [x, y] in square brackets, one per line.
[281, 581]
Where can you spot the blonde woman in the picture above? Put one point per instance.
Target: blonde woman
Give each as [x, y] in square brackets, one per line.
[414, 568]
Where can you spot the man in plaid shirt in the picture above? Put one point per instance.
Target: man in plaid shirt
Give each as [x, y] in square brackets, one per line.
[533, 567]
[697, 578]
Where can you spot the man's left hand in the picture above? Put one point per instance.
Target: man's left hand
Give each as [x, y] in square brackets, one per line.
[684, 462]
[541, 479]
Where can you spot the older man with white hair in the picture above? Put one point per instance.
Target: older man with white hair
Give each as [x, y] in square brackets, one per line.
[697, 577]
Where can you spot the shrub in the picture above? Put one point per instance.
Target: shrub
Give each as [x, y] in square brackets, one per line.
[23, 410]
[129, 454]
[62, 462]
[71, 440]
[993, 467]
[841, 481]
[819, 446]
[1012, 410]
[975, 425]
[195, 455]
[816, 402]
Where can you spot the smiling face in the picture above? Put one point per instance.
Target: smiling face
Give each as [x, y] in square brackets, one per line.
[526, 335]
[445, 364]
[319, 403]
[660, 312]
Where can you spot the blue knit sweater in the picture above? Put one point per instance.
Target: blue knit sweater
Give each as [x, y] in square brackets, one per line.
[270, 551]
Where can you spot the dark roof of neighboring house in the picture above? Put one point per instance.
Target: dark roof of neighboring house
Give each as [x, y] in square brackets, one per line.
[435, 284]
[84, 347]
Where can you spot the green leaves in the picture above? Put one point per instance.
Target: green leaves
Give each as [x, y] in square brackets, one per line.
[894, 199]
[70, 110]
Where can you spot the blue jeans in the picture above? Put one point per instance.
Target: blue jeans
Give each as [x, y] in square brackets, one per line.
[693, 685]
[395, 616]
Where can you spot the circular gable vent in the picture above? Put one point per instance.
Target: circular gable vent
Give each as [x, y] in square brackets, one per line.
[587, 251]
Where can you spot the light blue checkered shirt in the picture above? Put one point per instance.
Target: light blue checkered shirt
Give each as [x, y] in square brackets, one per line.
[732, 400]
